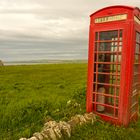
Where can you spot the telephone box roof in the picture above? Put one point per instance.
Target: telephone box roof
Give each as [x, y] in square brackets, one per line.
[116, 6]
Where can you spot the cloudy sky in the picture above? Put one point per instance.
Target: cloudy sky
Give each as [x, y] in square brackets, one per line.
[48, 29]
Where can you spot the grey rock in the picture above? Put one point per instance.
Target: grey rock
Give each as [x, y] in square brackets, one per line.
[45, 135]
[38, 135]
[52, 134]
[66, 128]
[82, 119]
[57, 131]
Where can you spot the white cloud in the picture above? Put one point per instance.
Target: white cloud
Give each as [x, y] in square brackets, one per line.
[59, 22]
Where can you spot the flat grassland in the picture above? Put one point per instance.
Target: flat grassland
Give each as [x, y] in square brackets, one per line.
[31, 95]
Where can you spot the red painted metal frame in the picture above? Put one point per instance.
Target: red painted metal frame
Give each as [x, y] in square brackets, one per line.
[129, 27]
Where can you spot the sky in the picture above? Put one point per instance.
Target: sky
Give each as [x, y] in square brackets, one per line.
[48, 29]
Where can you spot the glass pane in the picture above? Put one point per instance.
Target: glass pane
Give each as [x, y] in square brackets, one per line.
[134, 100]
[114, 80]
[134, 109]
[110, 46]
[117, 102]
[105, 110]
[105, 46]
[111, 90]
[94, 87]
[137, 37]
[137, 50]
[102, 78]
[105, 99]
[120, 35]
[106, 57]
[108, 35]
[116, 113]
[120, 43]
[108, 79]
[109, 68]
[136, 68]
[136, 58]
[96, 36]
[95, 57]
[117, 91]
[96, 45]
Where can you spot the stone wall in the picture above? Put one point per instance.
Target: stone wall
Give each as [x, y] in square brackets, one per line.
[53, 130]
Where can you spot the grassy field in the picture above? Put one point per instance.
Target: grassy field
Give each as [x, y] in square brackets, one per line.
[31, 95]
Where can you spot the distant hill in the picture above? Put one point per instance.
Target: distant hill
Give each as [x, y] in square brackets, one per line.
[43, 62]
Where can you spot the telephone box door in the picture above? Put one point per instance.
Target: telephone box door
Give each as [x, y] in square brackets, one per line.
[108, 68]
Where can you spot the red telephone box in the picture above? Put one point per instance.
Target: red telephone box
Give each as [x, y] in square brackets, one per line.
[114, 64]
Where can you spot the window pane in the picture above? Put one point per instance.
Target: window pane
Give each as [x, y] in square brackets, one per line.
[109, 68]
[137, 37]
[136, 58]
[137, 50]
[108, 35]
[96, 36]
[120, 35]
[105, 46]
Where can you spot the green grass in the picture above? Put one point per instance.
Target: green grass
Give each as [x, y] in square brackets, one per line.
[105, 131]
[31, 95]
